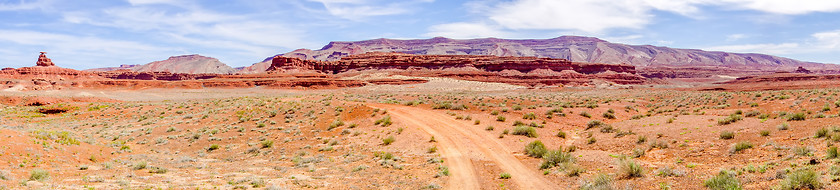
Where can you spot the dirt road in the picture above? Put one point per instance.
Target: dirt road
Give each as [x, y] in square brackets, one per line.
[459, 143]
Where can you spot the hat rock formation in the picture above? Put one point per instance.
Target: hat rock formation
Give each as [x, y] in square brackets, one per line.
[43, 61]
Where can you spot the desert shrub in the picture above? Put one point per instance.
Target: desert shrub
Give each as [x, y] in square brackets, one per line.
[449, 106]
[585, 114]
[599, 182]
[783, 126]
[607, 128]
[385, 121]
[504, 175]
[591, 140]
[627, 168]
[213, 147]
[561, 134]
[335, 124]
[797, 117]
[39, 175]
[494, 112]
[724, 180]
[738, 147]
[157, 170]
[637, 153]
[529, 116]
[535, 149]
[552, 158]
[727, 135]
[140, 165]
[641, 139]
[832, 152]
[730, 119]
[764, 133]
[822, 132]
[500, 118]
[594, 123]
[525, 131]
[489, 128]
[801, 151]
[659, 144]
[266, 143]
[752, 113]
[555, 110]
[609, 115]
[800, 179]
[388, 140]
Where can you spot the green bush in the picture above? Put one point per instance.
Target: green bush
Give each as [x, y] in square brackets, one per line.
[797, 117]
[39, 175]
[764, 133]
[553, 158]
[335, 124]
[140, 165]
[609, 115]
[822, 132]
[385, 121]
[832, 152]
[561, 134]
[600, 182]
[529, 116]
[266, 143]
[783, 126]
[213, 147]
[801, 151]
[723, 181]
[388, 140]
[594, 123]
[800, 179]
[727, 135]
[500, 118]
[738, 147]
[728, 120]
[585, 114]
[628, 168]
[525, 131]
[504, 175]
[535, 149]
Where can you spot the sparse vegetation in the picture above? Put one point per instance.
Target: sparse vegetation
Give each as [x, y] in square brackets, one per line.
[525, 131]
[724, 180]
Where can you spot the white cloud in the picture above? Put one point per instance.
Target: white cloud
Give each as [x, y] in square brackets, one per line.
[820, 42]
[358, 10]
[783, 48]
[583, 15]
[243, 34]
[463, 30]
[828, 40]
[24, 5]
[735, 37]
[78, 49]
[788, 7]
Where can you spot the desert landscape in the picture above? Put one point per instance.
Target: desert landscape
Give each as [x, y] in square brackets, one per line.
[386, 120]
[420, 94]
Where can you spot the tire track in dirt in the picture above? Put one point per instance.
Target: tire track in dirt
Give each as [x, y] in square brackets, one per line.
[458, 140]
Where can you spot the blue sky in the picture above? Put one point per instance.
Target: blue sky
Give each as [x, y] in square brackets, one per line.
[83, 34]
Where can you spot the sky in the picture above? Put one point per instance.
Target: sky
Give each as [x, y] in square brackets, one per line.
[83, 34]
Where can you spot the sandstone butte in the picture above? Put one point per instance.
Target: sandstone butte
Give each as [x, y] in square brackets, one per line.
[516, 70]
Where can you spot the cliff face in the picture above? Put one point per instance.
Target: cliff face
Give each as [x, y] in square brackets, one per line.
[572, 48]
[523, 70]
[191, 64]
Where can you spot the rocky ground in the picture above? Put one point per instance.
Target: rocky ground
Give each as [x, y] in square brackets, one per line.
[418, 136]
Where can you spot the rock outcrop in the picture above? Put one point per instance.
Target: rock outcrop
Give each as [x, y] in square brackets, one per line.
[572, 48]
[516, 70]
[43, 61]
